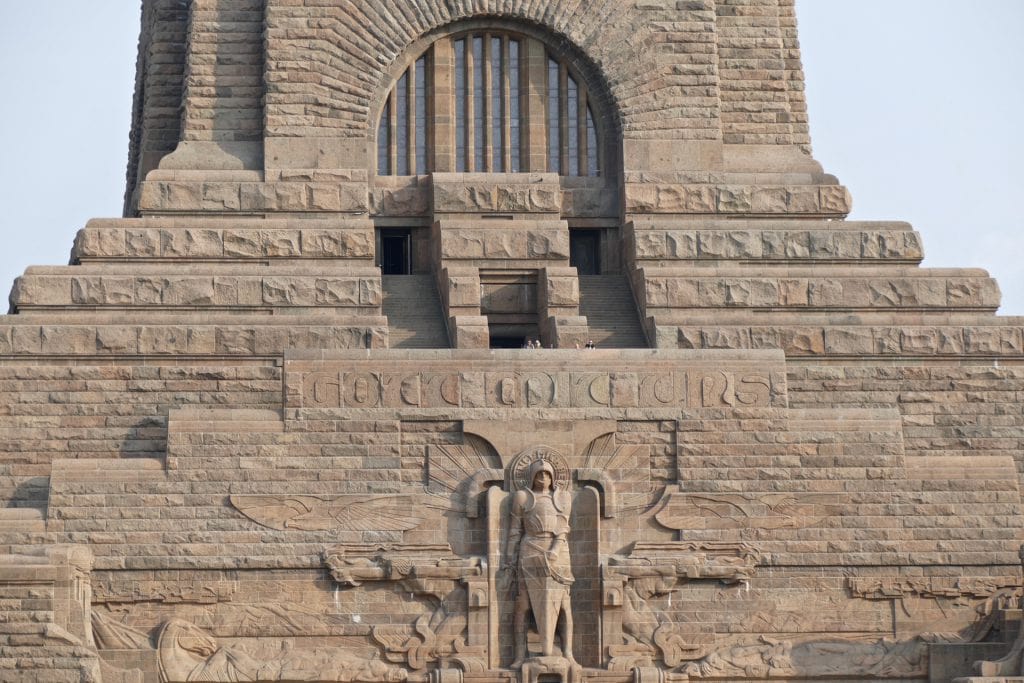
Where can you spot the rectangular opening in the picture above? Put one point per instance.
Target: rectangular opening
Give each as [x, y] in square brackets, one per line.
[394, 253]
[585, 251]
[512, 336]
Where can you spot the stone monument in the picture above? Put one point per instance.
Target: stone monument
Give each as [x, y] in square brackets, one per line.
[537, 555]
[507, 340]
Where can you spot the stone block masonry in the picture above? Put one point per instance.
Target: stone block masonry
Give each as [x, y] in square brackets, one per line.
[794, 454]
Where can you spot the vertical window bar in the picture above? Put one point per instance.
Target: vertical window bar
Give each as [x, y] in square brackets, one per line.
[594, 158]
[573, 126]
[554, 124]
[488, 88]
[384, 141]
[392, 131]
[402, 125]
[498, 118]
[514, 118]
[479, 105]
[563, 115]
[485, 87]
[420, 131]
[414, 98]
[584, 165]
[462, 104]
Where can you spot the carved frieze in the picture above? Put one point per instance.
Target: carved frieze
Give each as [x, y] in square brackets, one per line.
[815, 200]
[538, 389]
[187, 653]
[890, 587]
[824, 659]
[464, 193]
[113, 590]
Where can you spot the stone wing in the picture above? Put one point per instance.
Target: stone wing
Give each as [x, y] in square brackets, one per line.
[342, 513]
[458, 473]
[387, 513]
[629, 466]
[283, 512]
[679, 510]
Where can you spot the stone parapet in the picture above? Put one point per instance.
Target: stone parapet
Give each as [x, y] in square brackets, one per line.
[496, 193]
[566, 331]
[235, 238]
[664, 242]
[804, 339]
[469, 331]
[502, 243]
[158, 197]
[666, 290]
[217, 335]
[559, 292]
[157, 285]
[460, 290]
[734, 199]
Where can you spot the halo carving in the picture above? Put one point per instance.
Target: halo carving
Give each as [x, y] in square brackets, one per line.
[521, 464]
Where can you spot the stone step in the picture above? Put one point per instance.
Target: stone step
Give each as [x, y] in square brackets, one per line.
[414, 313]
[607, 302]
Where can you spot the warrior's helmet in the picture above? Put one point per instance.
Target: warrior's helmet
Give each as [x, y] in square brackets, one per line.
[536, 467]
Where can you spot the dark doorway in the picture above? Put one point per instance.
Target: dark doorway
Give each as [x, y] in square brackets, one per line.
[394, 252]
[585, 251]
[512, 336]
[508, 342]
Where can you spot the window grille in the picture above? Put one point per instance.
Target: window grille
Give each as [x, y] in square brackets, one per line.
[402, 133]
[494, 94]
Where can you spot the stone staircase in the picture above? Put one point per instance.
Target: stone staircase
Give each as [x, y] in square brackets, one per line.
[413, 310]
[607, 302]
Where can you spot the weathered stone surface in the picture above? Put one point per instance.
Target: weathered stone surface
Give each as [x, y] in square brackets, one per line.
[496, 193]
[736, 199]
[219, 461]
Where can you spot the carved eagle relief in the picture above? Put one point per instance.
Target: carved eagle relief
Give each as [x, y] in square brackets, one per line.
[681, 510]
[456, 476]
[335, 513]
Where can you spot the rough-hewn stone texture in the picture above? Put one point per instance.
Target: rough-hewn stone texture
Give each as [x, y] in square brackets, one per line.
[219, 462]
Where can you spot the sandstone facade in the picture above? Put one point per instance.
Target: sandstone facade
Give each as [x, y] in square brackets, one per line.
[264, 427]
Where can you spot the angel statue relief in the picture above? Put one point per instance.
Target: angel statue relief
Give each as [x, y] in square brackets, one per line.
[537, 556]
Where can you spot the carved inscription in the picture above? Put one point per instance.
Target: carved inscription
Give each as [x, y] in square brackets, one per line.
[536, 389]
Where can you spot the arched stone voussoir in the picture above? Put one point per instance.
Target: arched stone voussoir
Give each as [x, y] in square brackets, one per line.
[352, 49]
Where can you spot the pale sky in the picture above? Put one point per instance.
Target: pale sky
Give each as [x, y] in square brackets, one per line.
[915, 105]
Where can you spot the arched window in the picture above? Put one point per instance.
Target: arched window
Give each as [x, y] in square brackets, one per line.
[489, 102]
[402, 144]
